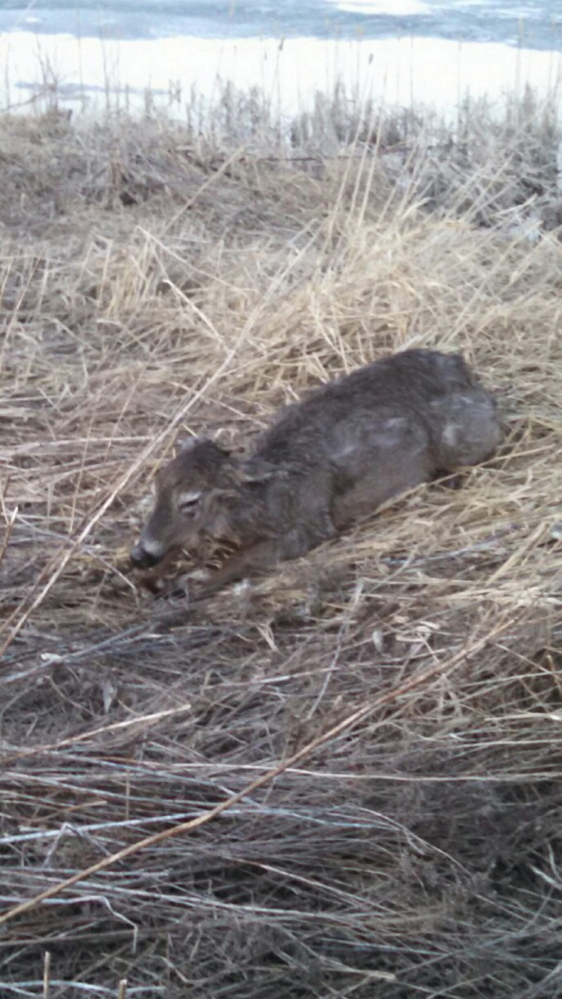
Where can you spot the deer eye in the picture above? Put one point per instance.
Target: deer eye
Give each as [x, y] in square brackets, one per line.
[188, 501]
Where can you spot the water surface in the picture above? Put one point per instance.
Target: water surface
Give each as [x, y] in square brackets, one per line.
[533, 23]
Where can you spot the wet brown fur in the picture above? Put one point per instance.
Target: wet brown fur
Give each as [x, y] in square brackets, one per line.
[326, 461]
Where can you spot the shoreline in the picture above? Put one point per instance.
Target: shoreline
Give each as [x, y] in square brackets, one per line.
[93, 75]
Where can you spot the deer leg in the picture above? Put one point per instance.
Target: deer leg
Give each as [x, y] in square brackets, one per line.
[264, 555]
[258, 559]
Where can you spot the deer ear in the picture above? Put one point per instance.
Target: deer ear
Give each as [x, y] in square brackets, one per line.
[183, 444]
[259, 470]
[208, 454]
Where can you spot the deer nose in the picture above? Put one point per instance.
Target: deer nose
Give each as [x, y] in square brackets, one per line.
[142, 557]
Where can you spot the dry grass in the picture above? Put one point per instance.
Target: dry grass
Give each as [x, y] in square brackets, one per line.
[404, 681]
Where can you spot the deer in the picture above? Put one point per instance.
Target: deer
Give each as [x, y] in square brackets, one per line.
[327, 461]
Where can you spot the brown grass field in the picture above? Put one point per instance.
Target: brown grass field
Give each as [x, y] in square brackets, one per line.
[342, 779]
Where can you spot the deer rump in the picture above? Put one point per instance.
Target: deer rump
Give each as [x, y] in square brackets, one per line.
[326, 461]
